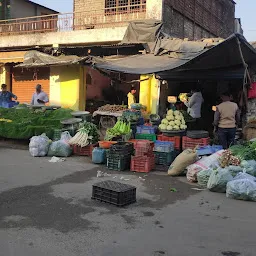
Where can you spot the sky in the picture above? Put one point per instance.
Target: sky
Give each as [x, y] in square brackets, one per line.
[245, 9]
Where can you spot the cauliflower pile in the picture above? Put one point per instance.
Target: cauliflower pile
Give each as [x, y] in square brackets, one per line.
[174, 121]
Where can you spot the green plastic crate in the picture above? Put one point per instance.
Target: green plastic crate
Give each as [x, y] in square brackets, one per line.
[151, 137]
[163, 158]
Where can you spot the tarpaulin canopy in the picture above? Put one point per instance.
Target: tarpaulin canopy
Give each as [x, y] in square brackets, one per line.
[142, 31]
[185, 56]
[39, 59]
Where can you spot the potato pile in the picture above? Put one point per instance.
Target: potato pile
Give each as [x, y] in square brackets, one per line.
[174, 121]
[112, 108]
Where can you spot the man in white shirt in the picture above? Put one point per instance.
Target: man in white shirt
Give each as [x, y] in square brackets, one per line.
[39, 97]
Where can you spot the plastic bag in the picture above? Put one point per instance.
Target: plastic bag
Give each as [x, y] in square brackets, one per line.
[242, 189]
[243, 175]
[218, 180]
[203, 177]
[60, 149]
[39, 145]
[182, 161]
[203, 164]
[234, 170]
[250, 167]
[65, 136]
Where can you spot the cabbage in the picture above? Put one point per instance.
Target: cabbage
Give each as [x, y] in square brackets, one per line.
[162, 126]
[170, 117]
[169, 128]
[176, 113]
[170, 112]
[172, 123]
[177, 122]
[178, 118]
[183, 121]
[176, 127]
[183, 127]
[165, 121]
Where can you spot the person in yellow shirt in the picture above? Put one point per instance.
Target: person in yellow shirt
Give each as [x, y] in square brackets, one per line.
[131, 96]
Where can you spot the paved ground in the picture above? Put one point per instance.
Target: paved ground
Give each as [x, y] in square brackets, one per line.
[45, 209]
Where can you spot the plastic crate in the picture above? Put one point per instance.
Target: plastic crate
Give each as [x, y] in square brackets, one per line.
[143, 129]
[83, 151]
[57, 134]
[142, 147]
[208, 150]
[115, 193]
[176, 140]
[151, 137]
[118, 162]
[188, 143]
[163, 158]
[142, 163]
[122, 148]
[164, 146]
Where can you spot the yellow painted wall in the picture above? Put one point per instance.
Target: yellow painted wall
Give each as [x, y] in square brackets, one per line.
[67, 87]
[149, 93]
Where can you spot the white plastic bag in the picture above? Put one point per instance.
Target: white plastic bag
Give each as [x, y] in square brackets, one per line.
[249, 166]
[60, 149]
[242, 189]
[218, 180]
[39, 145]
[205, 163]
[243, 175]
[65, 136]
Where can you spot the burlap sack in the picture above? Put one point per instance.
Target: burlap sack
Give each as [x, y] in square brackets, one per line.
[250, 131]
[182, 161]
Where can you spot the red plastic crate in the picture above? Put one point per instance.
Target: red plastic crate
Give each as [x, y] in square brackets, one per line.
[83, 151]
[176, 140]
[192, 143]
[142, 163]
[143, 147]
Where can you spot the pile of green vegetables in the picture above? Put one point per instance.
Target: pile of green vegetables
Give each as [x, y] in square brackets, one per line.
[246, 151]
[27, 123]
[122, 127]
[87, 134]
[131, 115]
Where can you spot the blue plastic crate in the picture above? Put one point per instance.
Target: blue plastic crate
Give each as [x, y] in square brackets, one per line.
[143, 129]
[164, 146]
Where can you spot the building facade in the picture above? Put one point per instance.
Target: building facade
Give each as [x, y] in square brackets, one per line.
[193, 19]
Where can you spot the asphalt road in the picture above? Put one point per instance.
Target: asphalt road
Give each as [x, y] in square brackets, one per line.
[46, 210]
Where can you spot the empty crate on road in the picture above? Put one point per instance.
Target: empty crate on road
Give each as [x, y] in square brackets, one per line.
[113, 192]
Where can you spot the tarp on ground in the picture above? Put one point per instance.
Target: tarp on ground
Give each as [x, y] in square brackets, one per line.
[187, 56]
[142, 31]
[39, 59]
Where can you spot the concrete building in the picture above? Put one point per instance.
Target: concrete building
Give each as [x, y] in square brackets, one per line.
[13, 9]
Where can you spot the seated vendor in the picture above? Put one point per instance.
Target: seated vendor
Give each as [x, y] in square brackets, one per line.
[131, 96]
[6, 96]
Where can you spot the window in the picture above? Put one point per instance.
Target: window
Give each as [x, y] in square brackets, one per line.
[117, 6]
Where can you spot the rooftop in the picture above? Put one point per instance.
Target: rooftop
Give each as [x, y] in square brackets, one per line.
[31, 2]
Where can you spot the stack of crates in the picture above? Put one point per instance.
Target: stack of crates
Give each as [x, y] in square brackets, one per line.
[144, 159]
[164, 153]
[119, 156]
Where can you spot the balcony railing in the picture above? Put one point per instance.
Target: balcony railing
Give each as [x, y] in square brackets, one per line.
[108, 17]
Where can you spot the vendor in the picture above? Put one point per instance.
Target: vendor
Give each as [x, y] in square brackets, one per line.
[131, 96]
[39, 97]
[194, 103]
[226, 119]
[6, 96]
